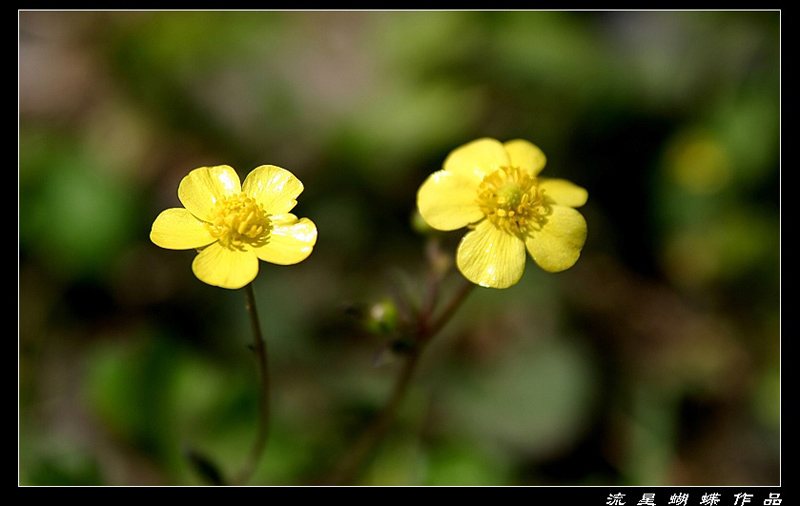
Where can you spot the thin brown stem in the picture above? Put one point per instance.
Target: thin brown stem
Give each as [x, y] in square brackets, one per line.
[373, 435]
[451, 308]
[369, 439]
[260, 349]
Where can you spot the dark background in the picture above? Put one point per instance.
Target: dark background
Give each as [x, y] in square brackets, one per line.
[655, 360]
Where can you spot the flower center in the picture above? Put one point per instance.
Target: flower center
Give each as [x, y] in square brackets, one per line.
[512, 200]
[237, 221]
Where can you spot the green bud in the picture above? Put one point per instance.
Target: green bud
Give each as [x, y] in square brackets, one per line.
[382, 318]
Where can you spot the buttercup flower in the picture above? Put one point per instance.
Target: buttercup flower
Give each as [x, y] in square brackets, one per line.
[233, 225]
[495, 189]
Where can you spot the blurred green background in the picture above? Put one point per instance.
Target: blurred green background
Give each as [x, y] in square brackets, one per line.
[654, 361]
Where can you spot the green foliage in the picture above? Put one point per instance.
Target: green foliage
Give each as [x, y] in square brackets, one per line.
[650, 360]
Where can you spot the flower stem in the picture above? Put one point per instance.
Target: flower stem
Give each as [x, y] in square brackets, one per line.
[369, 439]
[372, 436]
[260, 349]
[451, 308]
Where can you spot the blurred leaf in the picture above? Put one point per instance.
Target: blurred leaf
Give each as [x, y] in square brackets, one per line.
[652, 429]
[205, 467]
[78, 217]
[536, 399]
[737, 244]
[400, 462]
[465, 463]
[65, 470]
[748, 125]
[401, 123]
[128, 388]
[556, 49]
[767, 397]
[186, 44]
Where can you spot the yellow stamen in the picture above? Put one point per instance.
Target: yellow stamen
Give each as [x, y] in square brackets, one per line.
[239, 220]
[512, 200]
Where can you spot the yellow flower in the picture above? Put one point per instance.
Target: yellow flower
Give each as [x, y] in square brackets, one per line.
[495, 189]
[233, 225]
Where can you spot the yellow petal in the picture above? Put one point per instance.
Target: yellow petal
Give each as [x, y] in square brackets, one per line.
[276, 189]
[477, 159]
[177, 228]
[525, 155]
[558, 244]
[290, 240]
[447, 201]
[490, 257]
[203, 187]
[225, 267]
[564, 192]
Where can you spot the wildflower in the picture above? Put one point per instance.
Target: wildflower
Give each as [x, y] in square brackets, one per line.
[494, 188]
[234, 225]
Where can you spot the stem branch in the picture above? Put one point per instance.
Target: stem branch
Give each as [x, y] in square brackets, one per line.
[370, 438]
[373, 435]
